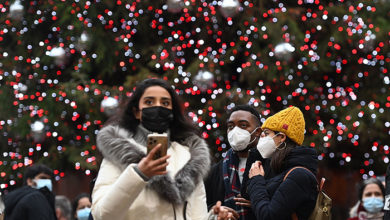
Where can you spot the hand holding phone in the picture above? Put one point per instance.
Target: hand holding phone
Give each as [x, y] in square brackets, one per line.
[150, 167]
[154, 139]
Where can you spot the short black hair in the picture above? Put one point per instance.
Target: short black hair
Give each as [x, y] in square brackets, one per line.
[370, 181]
[36, 169]
[247, 108]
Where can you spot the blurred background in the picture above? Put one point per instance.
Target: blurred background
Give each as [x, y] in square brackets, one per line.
[66, 66]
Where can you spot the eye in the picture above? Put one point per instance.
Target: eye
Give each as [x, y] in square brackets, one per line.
[244, 125]
[166, 103]
[148, 102]
[230, 126]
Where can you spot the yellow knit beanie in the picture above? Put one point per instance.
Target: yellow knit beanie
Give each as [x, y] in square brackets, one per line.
[289, 121]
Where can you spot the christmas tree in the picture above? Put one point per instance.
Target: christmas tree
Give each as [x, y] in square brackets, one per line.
[66, 65]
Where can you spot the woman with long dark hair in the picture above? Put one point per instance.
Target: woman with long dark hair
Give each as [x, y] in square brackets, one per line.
[284, 196]
[132, 184]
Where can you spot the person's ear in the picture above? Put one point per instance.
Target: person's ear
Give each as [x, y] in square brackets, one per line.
[137, 113]
[258, 132]
[283, 137]
[30, 182]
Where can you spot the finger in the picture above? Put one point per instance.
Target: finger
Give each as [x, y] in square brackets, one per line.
[240, 200]
[216, 207]
[235, 215]
[162, 159]
[160, 173]
[161, 167]
[243, 204]
[153, 152]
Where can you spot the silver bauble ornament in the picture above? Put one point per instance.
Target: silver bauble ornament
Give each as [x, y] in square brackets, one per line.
[38, 131]
[284, 51]
[59, 55]
[175, 6]
[16, 10]
[109, 106]
[82, 41]
[229, 8]
[204, 80]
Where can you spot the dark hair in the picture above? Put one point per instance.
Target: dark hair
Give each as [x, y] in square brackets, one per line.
[180, 128]
[277, 160]
[370, 181]
[36, 169]
[76, 200]
[246, 108]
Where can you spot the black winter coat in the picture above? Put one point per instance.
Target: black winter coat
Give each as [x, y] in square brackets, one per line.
[27, 203]
[215, 187]
[278, 199]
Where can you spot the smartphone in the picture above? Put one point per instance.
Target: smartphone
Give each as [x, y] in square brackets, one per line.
[153, 140]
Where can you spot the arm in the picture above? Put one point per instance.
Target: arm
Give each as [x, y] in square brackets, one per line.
[115, 191]
[290, 194]
[214, 185]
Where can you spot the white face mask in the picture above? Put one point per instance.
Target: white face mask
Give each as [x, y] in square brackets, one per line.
[42, 183]
[239, 138]
[266, 146]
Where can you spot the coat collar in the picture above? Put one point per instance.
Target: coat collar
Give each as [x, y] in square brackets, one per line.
[122, 148]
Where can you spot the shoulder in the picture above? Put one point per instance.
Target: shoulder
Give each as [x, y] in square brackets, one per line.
[114, 131]
[301, 177]
[33, 196]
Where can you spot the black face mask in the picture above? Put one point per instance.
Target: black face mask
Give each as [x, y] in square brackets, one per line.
[156, 119]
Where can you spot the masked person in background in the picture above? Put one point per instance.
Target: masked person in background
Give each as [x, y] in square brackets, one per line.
[82, 207]
[371, 201]
[35, 199]
[276, 198]
[131, 184]
[225, 178]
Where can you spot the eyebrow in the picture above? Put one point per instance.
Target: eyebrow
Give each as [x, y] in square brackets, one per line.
[229, 121]
[153, 97]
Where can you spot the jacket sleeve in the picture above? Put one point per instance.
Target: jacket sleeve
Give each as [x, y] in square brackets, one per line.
[115, 191]
[214, 185]
[291, 193]
[197, 208]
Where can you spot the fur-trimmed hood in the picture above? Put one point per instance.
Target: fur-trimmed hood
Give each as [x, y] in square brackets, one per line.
[122, 148]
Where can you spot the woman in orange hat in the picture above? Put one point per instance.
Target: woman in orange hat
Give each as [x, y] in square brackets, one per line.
[284, 196]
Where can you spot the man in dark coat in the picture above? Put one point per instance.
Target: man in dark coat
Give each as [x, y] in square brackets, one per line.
[225, 180]
[34, 200]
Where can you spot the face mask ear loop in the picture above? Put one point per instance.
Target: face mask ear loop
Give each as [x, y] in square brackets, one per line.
[282, 148]
[253, 138]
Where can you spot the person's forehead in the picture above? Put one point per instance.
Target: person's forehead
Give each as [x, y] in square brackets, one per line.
[241, 115]
[156, 91]
[372, 187]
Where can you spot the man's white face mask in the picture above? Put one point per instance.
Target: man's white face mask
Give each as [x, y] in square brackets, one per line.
[239, 139]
